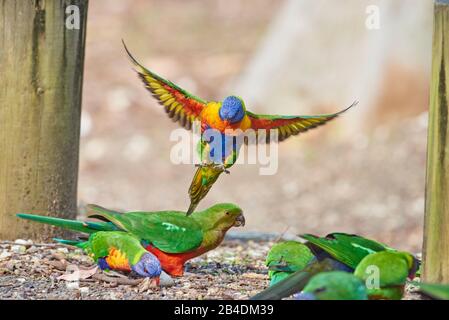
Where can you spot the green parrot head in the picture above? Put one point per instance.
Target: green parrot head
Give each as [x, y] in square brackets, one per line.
[221, 217]
[334, 285]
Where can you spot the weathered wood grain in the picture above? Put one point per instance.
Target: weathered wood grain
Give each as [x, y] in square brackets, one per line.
[41, 72]
[436, 225]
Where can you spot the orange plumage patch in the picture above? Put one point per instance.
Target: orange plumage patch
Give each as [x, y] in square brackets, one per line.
[117, 260]
[210, 116]
[172, 263]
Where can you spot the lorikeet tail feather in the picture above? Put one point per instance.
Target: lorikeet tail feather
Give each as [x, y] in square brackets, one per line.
[295, 282]
[203, 180]
[75, 225]
[75, 243]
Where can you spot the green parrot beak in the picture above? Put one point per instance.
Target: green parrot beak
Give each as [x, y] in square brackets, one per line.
[239, 221]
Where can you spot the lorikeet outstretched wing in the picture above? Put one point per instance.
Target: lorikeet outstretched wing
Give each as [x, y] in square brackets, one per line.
[169, 231]
[180, 105]
[290, 125]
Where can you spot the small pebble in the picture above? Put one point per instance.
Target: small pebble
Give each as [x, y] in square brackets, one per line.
[18, 249]
[166, 280]
[84, 290]
[5, 254]
[23, 242]
[72, 285]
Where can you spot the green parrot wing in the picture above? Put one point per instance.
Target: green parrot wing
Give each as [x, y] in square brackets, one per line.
[287, 126]
[435, 290]
[348, 249]
[169, 231]
[180, 105]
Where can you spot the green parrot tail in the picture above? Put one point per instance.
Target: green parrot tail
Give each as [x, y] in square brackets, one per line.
[75, 243]
[295, 282]
[203, 180]
[75, 225]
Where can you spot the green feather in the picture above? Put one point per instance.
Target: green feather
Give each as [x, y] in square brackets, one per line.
[75, 225]
[287, 257]
[169, 231]
[346, 248]
[434, 290]
[392, 270]
[336, 285]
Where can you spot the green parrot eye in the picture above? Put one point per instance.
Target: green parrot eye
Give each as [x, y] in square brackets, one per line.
[228, 213]
[319, 290]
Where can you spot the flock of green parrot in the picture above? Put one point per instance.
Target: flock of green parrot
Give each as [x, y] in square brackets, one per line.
[337, 266]
[342, 266]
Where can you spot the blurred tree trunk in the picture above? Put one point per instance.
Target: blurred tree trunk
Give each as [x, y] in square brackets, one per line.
[41, 72]
[436, 229]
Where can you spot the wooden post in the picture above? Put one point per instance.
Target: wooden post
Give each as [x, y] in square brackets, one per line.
[436, 225]
[41, 72]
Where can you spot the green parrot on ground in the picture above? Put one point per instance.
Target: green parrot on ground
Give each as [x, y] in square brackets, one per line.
[385, 274]
[336, 251]
[118, 250]
[229, 119]
[285, 258]
[349, 249]
[334, 285]
[171, 236]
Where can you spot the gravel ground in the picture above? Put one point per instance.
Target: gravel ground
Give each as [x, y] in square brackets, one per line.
[30, 271]
[233, 271]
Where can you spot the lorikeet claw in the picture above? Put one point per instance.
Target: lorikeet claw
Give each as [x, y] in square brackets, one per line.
[222, 167]
[148, 266]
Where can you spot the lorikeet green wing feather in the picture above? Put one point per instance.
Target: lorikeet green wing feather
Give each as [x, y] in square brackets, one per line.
[122, 251]
[101, 243]
[287, 126]
[180, 105]
[169, 231]
[346, 248]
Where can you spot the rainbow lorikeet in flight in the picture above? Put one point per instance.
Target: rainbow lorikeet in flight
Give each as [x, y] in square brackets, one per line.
[171, 236]
[229, 118]
[336, 251]
[334, 285]
[392, 270]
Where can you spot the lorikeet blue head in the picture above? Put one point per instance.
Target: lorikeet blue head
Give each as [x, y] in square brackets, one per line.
[148, 266]
[232, 109]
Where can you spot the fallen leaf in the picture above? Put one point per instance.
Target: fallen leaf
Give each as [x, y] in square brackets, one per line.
[78, 274]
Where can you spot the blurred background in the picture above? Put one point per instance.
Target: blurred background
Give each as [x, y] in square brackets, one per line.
[363, 173]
